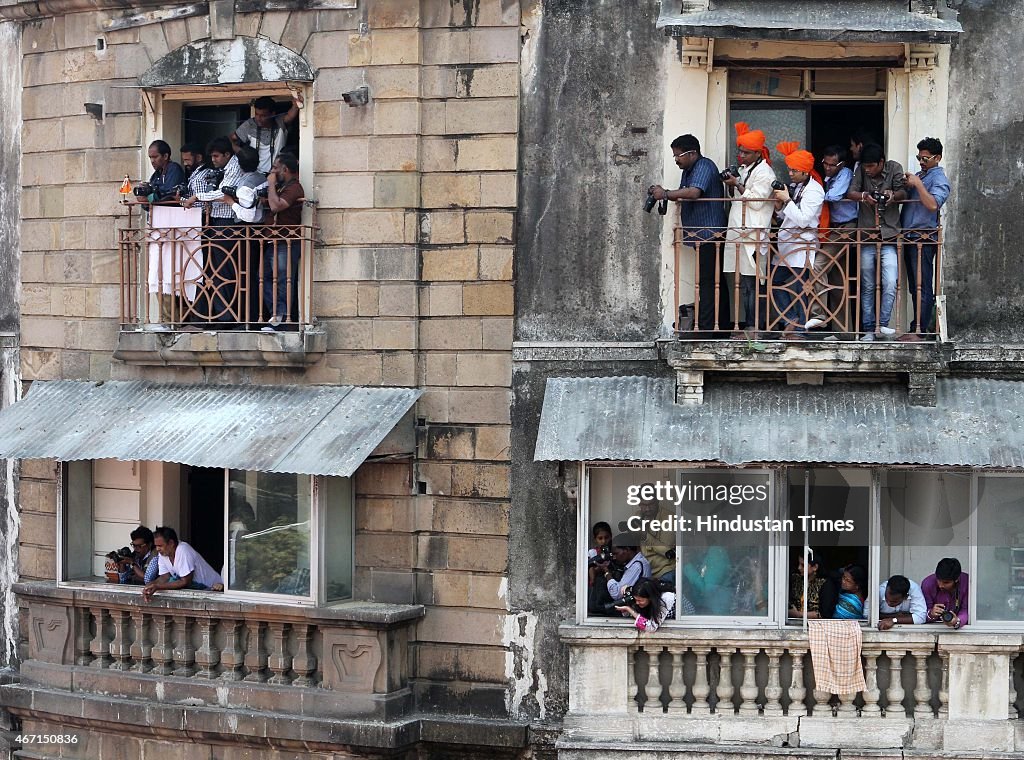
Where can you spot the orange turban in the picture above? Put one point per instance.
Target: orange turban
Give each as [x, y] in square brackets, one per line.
[751, 139]
[803, 161]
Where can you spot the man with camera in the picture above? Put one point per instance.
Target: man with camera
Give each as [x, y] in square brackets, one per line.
[945, 594]
[140, 566]
[282, 253]
[703, 222]
[928, 189]
[166, 178]
[266, 131]
[626, 554]
[750, 218]
[878, 186]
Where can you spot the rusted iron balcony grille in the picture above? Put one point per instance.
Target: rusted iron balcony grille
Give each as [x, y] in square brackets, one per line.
[222, 277]
[818, 275]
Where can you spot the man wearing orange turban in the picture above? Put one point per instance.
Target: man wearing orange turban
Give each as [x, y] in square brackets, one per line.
[750, 219]
[800, 208]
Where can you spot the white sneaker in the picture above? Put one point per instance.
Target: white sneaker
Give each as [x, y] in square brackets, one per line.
[886, 331]
[267, 328]
[867, 338]
[813, 322]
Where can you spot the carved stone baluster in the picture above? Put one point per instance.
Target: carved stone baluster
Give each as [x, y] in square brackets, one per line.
[871, 693]
[119, 645]
[1012, 715]
[100, 645]
[256, 653]
[922, 692]
[184, 652]
[701, 687]
[304, 661]
[773, 689]
[894, 694]
[846, 708]
[797, 690]
[944, 687]
[279, 661]
[725, 689]
[748, 689]
[677, 687]
[208, 655]
[141, 649]
[83, 636]
[231, 655]
[652, 689]
[631, 690]
[163, 649]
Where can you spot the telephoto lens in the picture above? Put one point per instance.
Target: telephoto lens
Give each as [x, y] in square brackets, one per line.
[650, 202]
[776, 185]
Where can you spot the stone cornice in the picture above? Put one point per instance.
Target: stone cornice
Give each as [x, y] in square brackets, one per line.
[31, 10]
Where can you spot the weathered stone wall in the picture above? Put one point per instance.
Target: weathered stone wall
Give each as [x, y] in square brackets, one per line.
[413, 283]
[985, 222]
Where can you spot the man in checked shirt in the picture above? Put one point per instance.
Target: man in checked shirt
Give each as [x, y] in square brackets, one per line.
[221, 266]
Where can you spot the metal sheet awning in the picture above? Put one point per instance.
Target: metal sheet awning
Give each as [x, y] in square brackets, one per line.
[977, 423]
[848, 21]
[312, 429]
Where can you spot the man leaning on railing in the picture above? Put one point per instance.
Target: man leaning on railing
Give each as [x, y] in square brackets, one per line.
[282, 252]
[930, 189]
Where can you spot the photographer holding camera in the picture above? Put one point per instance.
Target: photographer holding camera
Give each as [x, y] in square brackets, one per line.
[945, 594]
[878, 185]
[142, 564]
[750, 220]
[282, 254]
[166, 178]
[649, 606]
[198, 171]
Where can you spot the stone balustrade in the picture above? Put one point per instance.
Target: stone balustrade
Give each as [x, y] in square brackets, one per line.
[926, 689]
[350, 659]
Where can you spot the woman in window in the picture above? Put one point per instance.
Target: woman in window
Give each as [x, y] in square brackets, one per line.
[853, 592]
[650, 606]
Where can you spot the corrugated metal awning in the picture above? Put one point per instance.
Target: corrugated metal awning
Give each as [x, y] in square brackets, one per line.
[848, 21]
[311, 429]
[977, 423]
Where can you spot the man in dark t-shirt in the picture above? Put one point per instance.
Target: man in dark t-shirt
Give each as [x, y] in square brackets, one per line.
[282, 254]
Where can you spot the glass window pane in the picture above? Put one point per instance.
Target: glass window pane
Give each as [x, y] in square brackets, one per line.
[81, 561]
[336, 507]
[1000, 584]
[779, 123]
[269, 532]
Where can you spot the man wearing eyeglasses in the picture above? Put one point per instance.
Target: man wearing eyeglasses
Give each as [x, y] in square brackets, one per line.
[927, 191]
[144, 563]
[832, 266]
[703, 222]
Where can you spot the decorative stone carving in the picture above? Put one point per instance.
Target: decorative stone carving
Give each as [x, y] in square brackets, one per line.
[695, 52]
[352, 662]
[921, 57]
[50, 639]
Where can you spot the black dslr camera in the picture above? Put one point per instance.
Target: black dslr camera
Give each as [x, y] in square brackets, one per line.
[729, 172]
[263, 192]
[881, 199]
[947, 616]
[776, 185]
[231, 192]
[120, 555]
[651, 202]
[180, 191]
[627, 597]
[143, 190]
[214, 178]
[604, 555]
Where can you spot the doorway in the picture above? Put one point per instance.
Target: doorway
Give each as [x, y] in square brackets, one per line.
[202, 123]
[205, 489]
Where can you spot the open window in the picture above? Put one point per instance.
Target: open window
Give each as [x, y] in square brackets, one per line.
[270, 535]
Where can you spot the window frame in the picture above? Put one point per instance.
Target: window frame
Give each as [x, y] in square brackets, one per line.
[779, 546]
[317, 535]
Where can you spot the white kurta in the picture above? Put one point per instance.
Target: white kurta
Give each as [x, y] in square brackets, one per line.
[750, 221]
[175, 250]
[798, 233]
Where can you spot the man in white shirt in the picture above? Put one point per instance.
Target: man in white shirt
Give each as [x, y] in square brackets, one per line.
[750, 220]
[181, 567]
[266, 131]
[900, 602]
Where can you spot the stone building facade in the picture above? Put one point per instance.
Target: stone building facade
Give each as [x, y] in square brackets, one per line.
[500, 131]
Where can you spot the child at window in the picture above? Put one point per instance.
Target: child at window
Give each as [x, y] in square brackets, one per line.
[600, 554]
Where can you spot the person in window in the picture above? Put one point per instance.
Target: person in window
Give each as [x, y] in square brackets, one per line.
[282, 255]
[929, 189]
[900, 602]
[599, 555]
[197, 170]
[651, 606]
[142, 567]
[707, 580]
[266, 131]
[181, 567]
[703, 219]
[801, 210]
[821, 591]
[626, 553]
[945, 593]
[852, 594]
[658, 546]
[167, 175]
[877, 179]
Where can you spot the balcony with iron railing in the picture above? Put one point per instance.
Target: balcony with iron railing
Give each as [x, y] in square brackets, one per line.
[194, 292]
[835, 300]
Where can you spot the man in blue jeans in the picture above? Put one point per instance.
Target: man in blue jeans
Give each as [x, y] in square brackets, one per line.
[282, 254]
[930, 189]
[878, 185]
